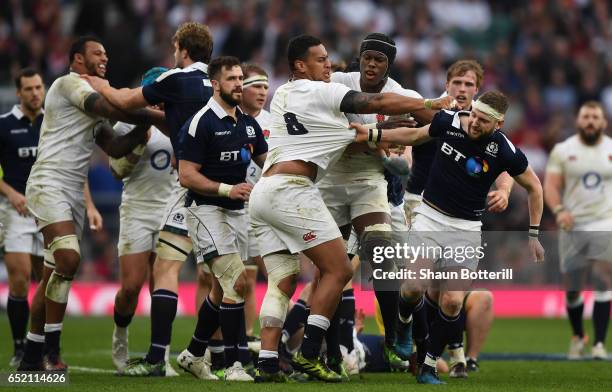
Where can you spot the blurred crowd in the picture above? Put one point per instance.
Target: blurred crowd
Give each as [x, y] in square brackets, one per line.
[548, 56]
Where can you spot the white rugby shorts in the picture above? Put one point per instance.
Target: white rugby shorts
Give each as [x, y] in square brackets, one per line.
[288, 213]
[216, 231]
[20, 232]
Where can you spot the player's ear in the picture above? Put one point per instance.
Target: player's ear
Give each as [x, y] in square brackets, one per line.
[499, 125]
[300, 66]
[215, 84]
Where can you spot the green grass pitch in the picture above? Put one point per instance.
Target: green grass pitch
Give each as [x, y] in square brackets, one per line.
[86, 348]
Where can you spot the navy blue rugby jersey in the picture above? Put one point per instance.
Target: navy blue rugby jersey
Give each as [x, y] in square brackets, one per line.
[18, 147]
[224, 147]
[463, 170]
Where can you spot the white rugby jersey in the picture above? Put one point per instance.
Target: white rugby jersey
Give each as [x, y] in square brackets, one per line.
[587, 175]
[363, 164]
[264, 119]
[66, 135]
[151, 181]
[307, 124]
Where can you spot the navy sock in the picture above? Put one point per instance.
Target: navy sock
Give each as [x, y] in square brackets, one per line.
[18, 312]
[208, 322]
[601, 318]
[122, 321]
[33, 348]
[442, 327]
[217, 354]
[455, 338]
[314, 332]
[232, 318]
[346, 312]
[332, 338]
[296, 318]
[163, 312]
[388, 303]
[574, 314]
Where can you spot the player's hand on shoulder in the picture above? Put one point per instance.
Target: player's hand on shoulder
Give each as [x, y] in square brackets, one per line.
[18, 201]
[241, 191]
[95, 82]
[361, 132]
[565, 220]
[536, 250]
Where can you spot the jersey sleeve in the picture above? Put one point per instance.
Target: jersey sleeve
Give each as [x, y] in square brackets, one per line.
[515, 162]
[555, 161]
[162, 90]
[261, 146]
[331, 94]
[438, 124]
[194, 140]
[76, 91]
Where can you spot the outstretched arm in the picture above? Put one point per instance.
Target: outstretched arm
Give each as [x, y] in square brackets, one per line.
[98, 105]
[402, 136]
[125, 98]
[390, 103]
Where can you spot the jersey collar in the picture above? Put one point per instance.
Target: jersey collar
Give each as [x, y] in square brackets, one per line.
[218, 110]
[200, 66]
[16, 111]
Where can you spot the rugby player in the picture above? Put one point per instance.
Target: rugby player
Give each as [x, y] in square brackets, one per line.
[577, 189]
[219, 143]
[73, 123]
[19, 132]
[355, 189]
[309, 133]
[183, 91]
[471, 152]
[254, 96]
[148, 179]
[463, 81]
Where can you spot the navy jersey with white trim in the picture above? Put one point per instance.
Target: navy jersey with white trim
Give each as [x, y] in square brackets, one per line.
[223, 147]
[183, 92]
[463, 170]
[18, 147]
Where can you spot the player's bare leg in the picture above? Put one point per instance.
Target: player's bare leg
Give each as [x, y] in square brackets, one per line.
[61, 239]
[204, 285]
[331, 260]
[134, 270]
[478, 323]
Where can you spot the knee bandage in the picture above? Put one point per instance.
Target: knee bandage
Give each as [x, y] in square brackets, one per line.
[70, 242]
[49, 260]
[274, 306]
[58, 288]
[373, 237]
[227, 270]
[173, 247]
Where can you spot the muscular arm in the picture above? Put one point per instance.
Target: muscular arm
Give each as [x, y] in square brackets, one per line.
[553, 186]
[125, 98]
[191, 178]
[117, 146]
[530, 181]
[98, 105]
[387, 103]
[406, 136]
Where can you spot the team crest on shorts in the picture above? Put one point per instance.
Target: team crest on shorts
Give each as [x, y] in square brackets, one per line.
[310, 236]
[178, 218]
